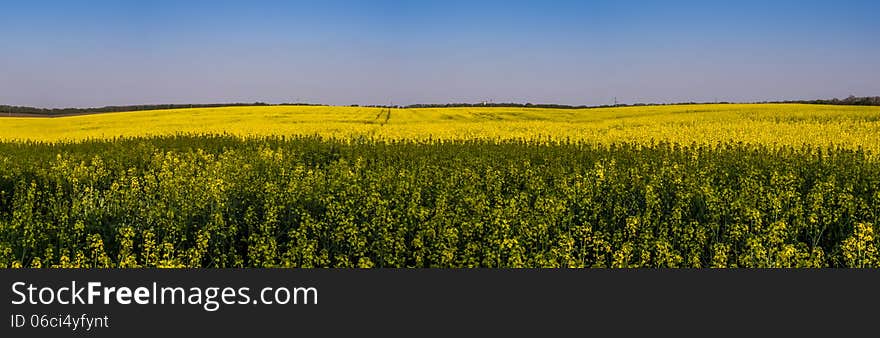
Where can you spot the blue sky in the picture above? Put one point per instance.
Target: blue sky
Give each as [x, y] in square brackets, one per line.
[95, 53]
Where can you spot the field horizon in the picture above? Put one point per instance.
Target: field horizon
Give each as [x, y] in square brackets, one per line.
[703, 185]
[783, 124]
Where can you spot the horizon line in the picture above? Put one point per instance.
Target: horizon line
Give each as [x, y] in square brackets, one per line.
[418, 105]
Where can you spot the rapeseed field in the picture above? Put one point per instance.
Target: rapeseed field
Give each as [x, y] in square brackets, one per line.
[749, 186]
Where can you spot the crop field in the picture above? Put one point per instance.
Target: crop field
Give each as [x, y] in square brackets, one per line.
[731, 185]
[767, 124]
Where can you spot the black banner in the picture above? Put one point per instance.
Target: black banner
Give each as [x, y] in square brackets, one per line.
[328, 302]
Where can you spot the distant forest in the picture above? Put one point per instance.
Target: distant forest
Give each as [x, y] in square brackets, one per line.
[849, 101]
[18, 110]
[25, 111]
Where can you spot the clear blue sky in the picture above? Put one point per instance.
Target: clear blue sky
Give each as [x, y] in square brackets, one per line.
[95, 53]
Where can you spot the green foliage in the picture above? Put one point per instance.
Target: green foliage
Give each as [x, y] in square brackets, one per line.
[222, 201]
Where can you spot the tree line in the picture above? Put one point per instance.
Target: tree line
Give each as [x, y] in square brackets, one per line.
[7, 109]
[23, 110]
[849, 101]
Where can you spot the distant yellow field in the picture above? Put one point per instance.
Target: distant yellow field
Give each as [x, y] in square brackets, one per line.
[780, 124]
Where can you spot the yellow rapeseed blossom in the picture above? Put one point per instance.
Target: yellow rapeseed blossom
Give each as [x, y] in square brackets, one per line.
[769, 124]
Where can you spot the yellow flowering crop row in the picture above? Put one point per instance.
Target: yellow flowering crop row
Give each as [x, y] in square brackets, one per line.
[768, 124]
